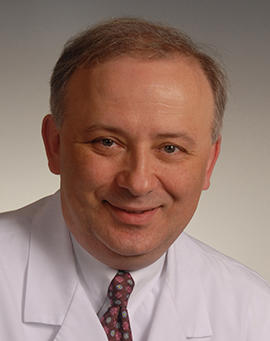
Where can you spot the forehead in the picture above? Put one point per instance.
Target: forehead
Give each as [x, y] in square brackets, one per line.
[140, 90]
[126, 76]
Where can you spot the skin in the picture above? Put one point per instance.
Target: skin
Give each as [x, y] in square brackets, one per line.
[134, 153]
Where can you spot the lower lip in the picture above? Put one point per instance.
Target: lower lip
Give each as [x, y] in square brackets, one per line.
[132, 218]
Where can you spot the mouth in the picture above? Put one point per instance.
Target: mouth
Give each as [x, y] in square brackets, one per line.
[132, 215]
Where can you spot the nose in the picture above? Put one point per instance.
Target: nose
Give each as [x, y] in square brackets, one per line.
[138, 174]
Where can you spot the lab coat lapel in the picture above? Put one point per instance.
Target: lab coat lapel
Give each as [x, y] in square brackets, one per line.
[186, 310]
[51, 273]
[53, 293]
[81, 322]
[166, 324]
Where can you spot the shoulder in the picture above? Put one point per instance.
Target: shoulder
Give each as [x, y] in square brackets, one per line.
[236, 297]
[19, 222]
[16, 235]
[216, 267]
[15, 231]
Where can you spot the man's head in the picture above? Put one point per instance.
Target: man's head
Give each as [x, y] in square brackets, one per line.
[136, 143]
[140, 39]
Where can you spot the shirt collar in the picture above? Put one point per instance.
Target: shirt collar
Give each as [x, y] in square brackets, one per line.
[96, 277]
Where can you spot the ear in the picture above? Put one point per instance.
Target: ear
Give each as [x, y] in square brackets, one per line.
[214, 153]
[51, 139]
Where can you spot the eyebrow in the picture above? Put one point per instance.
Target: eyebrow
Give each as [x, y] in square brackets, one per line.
[120, 131]
[181, 135]
[104, 127]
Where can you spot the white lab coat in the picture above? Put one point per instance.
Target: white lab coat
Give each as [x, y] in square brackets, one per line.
[206, 296]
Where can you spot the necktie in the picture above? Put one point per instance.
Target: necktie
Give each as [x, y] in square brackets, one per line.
[115, 321]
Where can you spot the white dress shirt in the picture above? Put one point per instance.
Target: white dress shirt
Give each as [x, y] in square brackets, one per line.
[95, 278]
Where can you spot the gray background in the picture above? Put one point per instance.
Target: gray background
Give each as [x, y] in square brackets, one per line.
[233, 215]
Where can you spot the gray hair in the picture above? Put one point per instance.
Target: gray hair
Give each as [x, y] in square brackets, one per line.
[138, 38]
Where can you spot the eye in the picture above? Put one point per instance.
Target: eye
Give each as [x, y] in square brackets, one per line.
[107, 142]
[103, 141]
[106, 145]
[170, 148]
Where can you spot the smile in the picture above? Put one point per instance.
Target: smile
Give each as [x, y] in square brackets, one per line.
[137, 211]
[132, 216]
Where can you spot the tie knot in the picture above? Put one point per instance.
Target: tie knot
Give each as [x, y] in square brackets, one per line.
[120, 288]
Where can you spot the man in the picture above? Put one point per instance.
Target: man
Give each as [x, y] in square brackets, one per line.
[134, 134]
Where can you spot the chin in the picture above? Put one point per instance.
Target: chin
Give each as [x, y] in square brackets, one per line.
[126, 250]
[133, 247]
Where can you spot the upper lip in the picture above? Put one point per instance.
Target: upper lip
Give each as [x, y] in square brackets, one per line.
[133, 209]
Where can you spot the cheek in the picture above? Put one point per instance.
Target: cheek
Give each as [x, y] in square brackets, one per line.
[185, 188]
[186, 181]
[86, 170]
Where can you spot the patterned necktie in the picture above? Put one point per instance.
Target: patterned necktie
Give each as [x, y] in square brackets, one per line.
[115, 321]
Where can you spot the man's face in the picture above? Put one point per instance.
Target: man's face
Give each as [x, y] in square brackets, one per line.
[134, 153]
